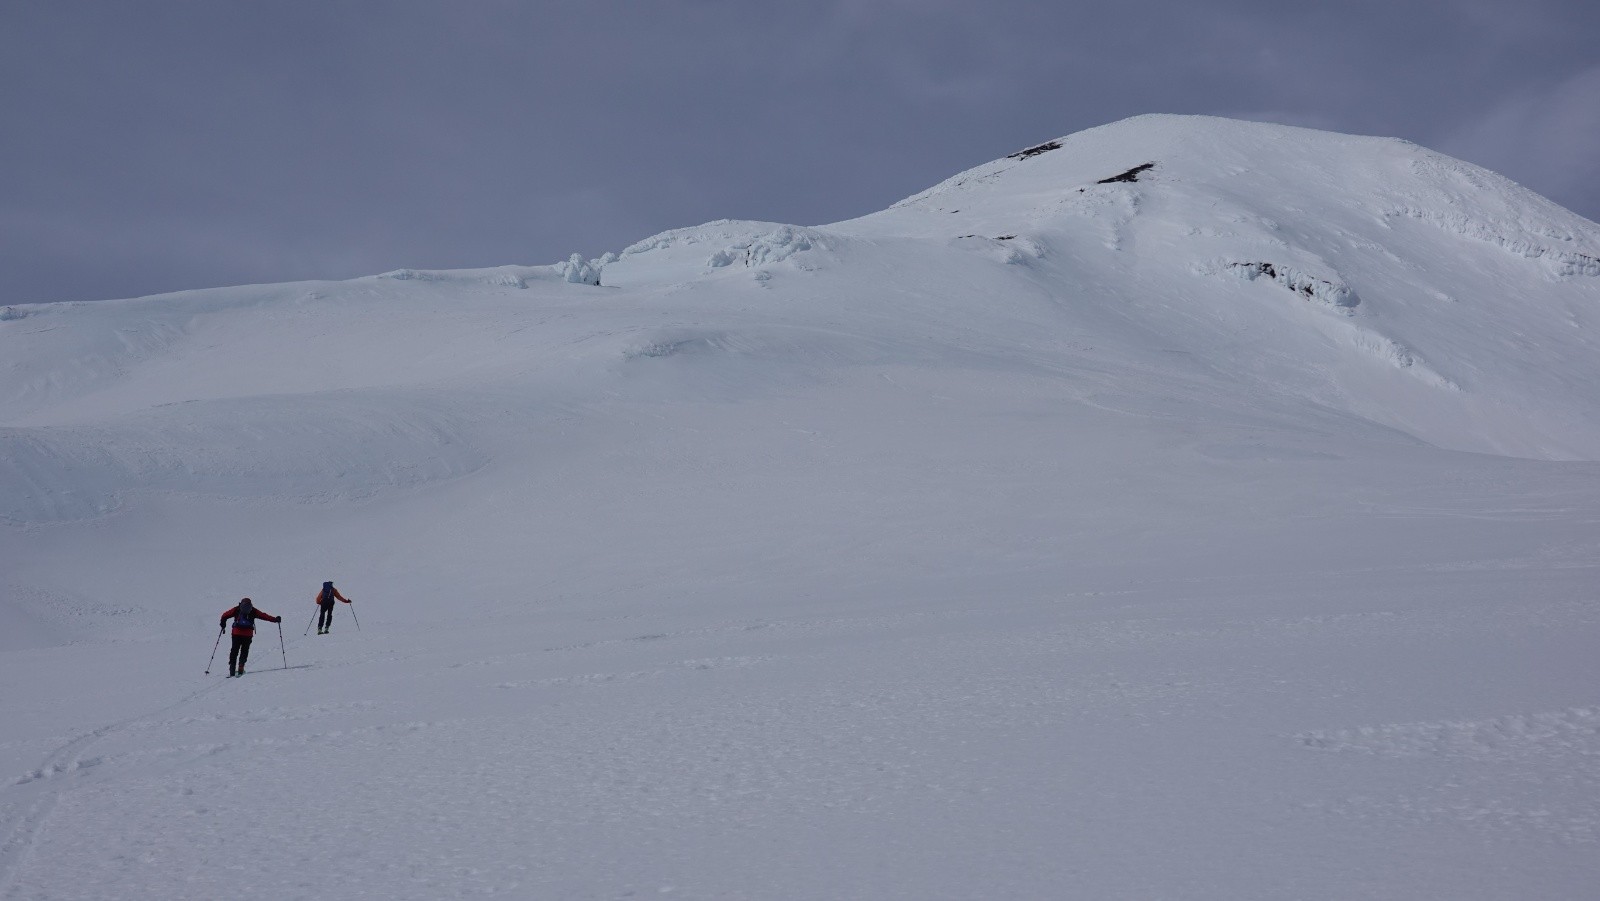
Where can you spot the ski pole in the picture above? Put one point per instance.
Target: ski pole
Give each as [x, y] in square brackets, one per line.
[353, 615]
[280, 644]
[312, 623]
[214, 650]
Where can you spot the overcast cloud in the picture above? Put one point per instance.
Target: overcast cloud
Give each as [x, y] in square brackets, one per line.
[156, 146]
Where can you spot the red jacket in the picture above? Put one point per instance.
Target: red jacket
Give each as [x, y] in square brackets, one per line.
[246, 631]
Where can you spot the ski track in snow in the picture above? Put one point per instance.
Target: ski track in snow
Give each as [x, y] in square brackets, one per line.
[35, 794]
[704, 663]
[845, 749]
[1560, 748]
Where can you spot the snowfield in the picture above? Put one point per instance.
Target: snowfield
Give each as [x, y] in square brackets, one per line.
[1184, 508]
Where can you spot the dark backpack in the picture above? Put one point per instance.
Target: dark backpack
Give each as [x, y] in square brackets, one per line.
[327, 594]
[245, 616]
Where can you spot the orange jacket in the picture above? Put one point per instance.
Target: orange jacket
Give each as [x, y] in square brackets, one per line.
[317, 598]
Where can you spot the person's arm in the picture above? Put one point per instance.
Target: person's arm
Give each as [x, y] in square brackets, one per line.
[231, 611]
[340, 596]
[269, 617]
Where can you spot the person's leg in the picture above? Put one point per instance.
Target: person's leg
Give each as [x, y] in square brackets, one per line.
[325, 621]
[244, 650]
[233, 656]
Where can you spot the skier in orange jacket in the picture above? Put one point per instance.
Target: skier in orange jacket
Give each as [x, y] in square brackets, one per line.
[325, 599]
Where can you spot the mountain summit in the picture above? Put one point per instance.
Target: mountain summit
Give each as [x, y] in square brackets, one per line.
[1365, 274]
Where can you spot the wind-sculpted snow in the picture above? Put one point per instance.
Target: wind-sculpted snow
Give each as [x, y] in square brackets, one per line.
[1009, 250]
[1398, 355]
[1332, 293]
[691, 253]
[773, 247]
[1329, 291]
[1516, 239]
[574, 270]
[1173, 488]
[509, 277]
[719, 233]
[578, 271]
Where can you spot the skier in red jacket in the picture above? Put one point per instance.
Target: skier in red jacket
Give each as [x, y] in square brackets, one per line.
[244, 628]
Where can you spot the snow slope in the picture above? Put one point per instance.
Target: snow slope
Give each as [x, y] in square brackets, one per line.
[1228, 529]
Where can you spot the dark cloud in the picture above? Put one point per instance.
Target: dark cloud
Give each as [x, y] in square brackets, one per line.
[167, 145]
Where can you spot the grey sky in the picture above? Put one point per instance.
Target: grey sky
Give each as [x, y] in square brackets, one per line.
[161, 145]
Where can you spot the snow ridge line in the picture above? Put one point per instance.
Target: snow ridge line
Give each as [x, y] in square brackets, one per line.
[1568, 262]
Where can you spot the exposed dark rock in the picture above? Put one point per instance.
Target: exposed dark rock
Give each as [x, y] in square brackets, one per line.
[1034, 151]
[1130, 175]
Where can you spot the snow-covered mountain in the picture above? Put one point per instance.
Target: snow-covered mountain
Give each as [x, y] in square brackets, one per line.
[1181, 508]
